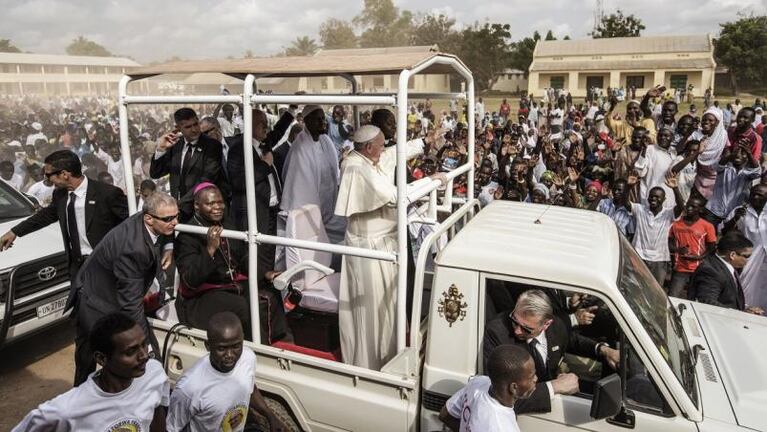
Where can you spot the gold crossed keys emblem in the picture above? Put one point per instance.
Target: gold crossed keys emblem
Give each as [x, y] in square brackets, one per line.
[451, 305]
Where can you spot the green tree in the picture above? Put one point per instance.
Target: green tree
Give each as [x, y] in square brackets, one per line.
[302, 46]
[8, 47]
[550, 36]
[85, 47]
[337, 34]
[486, 50]
[522, 53]
[383, 24]
[437, 29]
[742, 47]
[248, 54]
[618, 25]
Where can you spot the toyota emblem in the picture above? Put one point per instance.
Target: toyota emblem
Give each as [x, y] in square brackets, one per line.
[46, 273]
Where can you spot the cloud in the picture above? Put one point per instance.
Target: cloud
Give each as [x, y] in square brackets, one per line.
[150, 30]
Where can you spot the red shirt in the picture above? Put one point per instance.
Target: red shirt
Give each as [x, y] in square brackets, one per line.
[694, 237]
[505, 109]
[751, 137]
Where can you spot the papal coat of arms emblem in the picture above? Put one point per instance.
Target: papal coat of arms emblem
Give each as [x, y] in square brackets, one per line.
[451, 305]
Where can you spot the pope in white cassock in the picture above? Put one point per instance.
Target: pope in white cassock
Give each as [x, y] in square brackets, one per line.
[311, 172]
[368, 199]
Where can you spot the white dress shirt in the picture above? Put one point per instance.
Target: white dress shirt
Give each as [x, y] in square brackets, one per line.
[85, 245]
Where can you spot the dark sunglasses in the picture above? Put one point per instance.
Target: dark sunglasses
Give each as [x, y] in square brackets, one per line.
[166, 219]
[515, 323]
[53, 173]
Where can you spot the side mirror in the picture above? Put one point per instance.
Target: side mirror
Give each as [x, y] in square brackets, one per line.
[608, 398]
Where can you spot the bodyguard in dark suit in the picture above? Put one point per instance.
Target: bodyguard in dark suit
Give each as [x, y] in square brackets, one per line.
[717, 279]
[533, 326]
[189, 159]
[118, 274]
[267, 182]
[86, 210]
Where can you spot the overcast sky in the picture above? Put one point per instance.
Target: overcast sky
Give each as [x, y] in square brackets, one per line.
[155, 30]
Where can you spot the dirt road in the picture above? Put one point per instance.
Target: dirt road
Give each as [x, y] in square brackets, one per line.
[35, 370]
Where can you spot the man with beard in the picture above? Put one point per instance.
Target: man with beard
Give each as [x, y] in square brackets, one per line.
[487, 402]
[533, 326]
[129, 392]
[213, 272]
[311, 172]
[218, 390]
[85, 209]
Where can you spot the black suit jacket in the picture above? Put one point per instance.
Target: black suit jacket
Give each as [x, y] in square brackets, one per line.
[713, 283]
[262, 170]
[105, 207]
[205, 165]
[560, 340]
[118, 274]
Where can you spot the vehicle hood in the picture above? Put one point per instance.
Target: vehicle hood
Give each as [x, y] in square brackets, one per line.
[737, 343]
[38, 244]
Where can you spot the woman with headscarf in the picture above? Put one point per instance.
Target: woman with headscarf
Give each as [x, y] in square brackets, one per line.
[713, 139]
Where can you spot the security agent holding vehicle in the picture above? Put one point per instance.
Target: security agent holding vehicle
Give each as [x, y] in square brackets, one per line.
[118, 274]
[85, 209]
[533, 326]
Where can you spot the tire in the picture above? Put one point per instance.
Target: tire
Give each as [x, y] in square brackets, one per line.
[258, 423]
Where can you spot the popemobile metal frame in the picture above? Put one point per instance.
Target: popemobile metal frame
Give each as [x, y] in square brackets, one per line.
[249, 99]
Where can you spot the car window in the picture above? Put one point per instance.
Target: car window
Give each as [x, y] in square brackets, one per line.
[641, 391]
[12, 204]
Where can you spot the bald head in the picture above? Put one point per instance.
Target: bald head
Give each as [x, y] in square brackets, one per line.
[224, 326]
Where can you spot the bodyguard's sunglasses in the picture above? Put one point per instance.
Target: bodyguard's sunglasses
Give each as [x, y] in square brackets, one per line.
[515, 323]
[166, 219]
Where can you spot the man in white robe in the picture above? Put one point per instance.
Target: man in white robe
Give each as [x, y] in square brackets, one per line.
[368, 292]
[311, 172]
[751, 220]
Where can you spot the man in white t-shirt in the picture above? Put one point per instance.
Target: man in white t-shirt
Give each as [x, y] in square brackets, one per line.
[217, 392]
[129, 392]
[486, 403]
[652, 223]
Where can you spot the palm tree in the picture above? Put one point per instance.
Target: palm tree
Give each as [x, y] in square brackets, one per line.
[302, 46]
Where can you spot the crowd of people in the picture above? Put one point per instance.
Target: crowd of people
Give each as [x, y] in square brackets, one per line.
[687, 190]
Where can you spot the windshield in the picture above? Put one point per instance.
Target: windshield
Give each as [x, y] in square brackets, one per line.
[12, 204]
[654, 310]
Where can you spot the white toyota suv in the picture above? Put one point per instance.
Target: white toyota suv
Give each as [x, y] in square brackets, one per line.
[34, 273]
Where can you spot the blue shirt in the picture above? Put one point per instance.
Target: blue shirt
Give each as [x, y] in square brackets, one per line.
[620, 215]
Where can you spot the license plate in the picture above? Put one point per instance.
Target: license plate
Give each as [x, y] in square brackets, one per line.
[52, 307]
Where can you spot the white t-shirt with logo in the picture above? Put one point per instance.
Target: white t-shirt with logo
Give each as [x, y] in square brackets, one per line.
[208, 400]
[89, 408]
[480, 412]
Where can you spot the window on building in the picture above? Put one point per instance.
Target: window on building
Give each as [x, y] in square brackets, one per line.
[557, 82]
[324, 83]
[378, 82]
[678, 81]
[636, 81]
[411, 83]
[595, 82]
[7, 68]
[75, 69]
[28, 68]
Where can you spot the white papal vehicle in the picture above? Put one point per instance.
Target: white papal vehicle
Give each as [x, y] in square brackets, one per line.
[684, 366]
[34, 273]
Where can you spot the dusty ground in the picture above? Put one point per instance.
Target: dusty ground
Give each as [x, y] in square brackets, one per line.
[35, 370]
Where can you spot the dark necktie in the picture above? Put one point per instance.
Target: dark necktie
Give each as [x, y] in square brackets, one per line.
[540, 365]
[187, 157]
[741, 297]
[74, 236]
